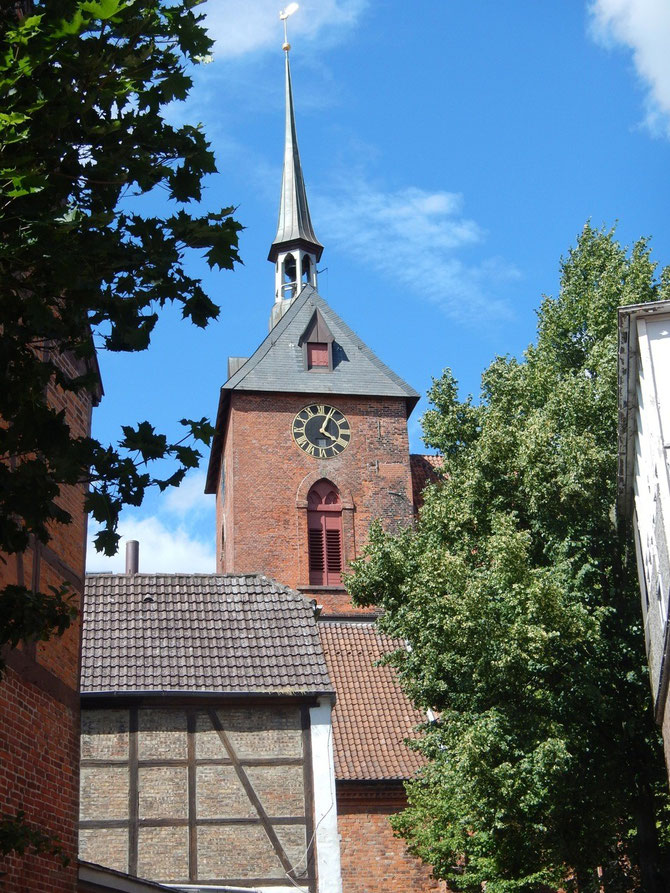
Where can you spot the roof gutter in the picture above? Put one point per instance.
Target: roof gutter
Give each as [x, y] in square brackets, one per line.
[117, 694]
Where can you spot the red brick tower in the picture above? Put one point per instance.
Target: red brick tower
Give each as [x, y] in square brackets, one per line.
[311, 446]
[311, 440]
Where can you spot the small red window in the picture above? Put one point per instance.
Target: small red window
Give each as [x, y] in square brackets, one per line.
[317, 354]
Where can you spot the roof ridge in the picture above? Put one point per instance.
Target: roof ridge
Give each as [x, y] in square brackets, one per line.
[271, 337]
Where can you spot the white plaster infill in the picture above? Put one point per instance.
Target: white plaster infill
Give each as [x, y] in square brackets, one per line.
[325, 806]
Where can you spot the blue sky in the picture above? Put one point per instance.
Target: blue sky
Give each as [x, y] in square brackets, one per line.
[452, 152]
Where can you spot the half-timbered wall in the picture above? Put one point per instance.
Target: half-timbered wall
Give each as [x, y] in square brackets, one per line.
[199, 795]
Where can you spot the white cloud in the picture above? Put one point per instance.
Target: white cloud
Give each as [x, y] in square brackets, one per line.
[243, 27]
[644, 27]
[416, 238]
[177, 538]
[163, 549]
[189, 497]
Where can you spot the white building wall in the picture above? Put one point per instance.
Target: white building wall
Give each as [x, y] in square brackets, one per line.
[325, 806]
[651, 483]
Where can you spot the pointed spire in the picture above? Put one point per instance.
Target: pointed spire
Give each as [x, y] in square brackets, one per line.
[294, 228]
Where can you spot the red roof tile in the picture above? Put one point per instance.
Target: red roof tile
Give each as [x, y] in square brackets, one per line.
[372, 716]
[424, 471]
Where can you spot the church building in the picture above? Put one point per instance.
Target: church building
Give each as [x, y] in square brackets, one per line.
[237, 729]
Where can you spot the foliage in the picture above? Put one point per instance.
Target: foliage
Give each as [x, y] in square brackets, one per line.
[18, 836]
[83, 88]
[516, 594]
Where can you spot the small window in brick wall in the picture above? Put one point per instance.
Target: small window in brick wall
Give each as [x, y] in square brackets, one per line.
[324, 531]
[317, 355]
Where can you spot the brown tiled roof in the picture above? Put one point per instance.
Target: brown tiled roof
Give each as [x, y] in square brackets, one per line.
[372, 716]
[199, 633]
[424, 471]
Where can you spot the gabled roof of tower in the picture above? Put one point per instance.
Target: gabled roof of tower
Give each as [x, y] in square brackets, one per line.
[294, 225]
[199, 633]
[278, 365]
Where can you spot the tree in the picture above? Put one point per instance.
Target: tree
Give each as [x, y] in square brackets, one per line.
[83, 88]
[517, 595]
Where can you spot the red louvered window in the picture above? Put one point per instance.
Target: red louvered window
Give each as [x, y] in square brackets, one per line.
[324, 532]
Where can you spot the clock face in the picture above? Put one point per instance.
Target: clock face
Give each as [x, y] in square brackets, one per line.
[321, 431]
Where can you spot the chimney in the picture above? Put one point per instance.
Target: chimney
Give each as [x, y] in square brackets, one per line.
[132, 556]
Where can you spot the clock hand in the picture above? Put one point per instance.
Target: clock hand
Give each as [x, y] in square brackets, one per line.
[322, 429]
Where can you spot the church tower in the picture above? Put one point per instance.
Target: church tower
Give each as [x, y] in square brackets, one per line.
[311, 435]
[311, 446]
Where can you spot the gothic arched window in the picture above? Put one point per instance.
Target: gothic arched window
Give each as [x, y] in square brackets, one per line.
[324, 531]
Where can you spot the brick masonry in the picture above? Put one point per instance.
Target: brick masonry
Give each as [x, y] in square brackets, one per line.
[262, 495]
[262, 527]
[39, 709]
[373, 860]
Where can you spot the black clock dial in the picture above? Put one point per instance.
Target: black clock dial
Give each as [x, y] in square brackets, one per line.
[321, 431]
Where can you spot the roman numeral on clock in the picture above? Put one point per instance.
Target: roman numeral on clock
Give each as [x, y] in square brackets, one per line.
[321, 431]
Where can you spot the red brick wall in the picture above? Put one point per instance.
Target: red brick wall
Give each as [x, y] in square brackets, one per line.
[39, 700]
[39, 753]
[267, 479]
[373, 860]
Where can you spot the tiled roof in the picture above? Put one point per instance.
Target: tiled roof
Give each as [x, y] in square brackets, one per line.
[424, 471]
[372, 717]
[199, 633]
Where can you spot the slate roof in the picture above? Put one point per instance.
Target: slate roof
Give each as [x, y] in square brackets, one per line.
[278, 366]
[372, 717]
[242, 634]
[294, 224]
[93, 877]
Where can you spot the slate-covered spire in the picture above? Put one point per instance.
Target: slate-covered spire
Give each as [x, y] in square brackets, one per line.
[295, 250]
[294, 224]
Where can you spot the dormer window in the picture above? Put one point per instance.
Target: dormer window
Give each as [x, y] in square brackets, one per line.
[317, 355]
[317, 344]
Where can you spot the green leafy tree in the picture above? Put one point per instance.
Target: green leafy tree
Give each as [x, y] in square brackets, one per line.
[518, 597]
[83, 137]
